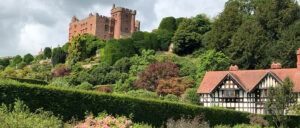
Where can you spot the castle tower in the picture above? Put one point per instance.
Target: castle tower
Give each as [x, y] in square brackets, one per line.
[124, 21]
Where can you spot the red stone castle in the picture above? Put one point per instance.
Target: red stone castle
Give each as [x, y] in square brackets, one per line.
[122, 23]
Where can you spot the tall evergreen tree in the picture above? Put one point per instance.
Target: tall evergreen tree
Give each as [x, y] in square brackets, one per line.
[248, 46]
[275, 15]
[77, 51]
[58, 56]
[287, 45]
[225, 26]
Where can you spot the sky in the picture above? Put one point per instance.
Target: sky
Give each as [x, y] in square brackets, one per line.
[26, 26]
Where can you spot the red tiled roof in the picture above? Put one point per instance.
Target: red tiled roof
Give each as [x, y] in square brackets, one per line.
[247, 78]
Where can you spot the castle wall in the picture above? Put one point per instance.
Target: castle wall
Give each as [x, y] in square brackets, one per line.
[87, 25]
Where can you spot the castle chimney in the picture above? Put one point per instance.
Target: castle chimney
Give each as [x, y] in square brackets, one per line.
[233, 68]
[276, 65]
[91, 14]
[298, 60]
[113, 6]
[74, 19]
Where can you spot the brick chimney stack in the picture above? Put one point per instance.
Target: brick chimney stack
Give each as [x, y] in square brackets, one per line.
[276, 65]
[298, 59]
[233, 68]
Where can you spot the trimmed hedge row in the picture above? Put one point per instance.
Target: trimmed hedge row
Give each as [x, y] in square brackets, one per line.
[30, 81]
[74, 103]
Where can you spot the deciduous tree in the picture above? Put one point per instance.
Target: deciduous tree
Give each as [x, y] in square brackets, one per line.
[280, 98]
[150, 76]
[28, 58]
[48, 52]
[168, 23]
[175, 86]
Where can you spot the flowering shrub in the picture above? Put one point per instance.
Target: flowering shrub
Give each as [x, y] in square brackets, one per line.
[108, 121]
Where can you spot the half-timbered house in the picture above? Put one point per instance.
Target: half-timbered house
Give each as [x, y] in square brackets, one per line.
[245, 90]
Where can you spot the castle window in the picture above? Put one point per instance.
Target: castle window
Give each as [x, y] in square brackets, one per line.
[126, 30]
[106, 27]
[91, 26]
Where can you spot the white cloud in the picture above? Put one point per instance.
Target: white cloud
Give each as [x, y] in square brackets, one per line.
[32, 37]
[28, 25]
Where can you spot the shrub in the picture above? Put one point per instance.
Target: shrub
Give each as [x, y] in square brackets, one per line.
[197, 122]
[112, 77]
[191, 96]
[9, 72]
[141, 62]
[59, 82]
[148, 94]
[257, 120]
[20, 117]
[104, 89]
[128, 84]
[85, 86]
[155, 112]
[1, 67]
[61, 72]
[171, 97]
[21, 65]
[122, 65]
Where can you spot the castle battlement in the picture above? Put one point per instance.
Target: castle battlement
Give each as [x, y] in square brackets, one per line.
[121, 24]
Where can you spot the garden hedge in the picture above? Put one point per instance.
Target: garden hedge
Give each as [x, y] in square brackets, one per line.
[30, 81]
[70, 103]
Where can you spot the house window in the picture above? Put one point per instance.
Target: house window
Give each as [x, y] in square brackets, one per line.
[264, 93]
[229, 93]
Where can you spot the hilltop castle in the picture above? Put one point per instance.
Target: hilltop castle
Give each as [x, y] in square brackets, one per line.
[121, 24]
